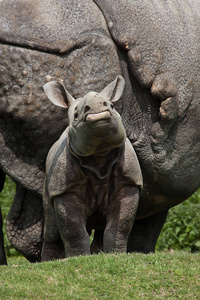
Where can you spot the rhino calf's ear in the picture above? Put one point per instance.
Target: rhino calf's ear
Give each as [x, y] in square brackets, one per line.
[114, 90]
[57, 94]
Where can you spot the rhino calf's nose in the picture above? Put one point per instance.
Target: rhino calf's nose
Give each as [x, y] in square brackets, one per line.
[98, 106]
[95, 103]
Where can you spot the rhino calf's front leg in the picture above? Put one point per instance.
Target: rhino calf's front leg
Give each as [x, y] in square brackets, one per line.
[71, 222]
[120, 220]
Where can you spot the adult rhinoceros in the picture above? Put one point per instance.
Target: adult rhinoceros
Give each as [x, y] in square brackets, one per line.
[154, 45]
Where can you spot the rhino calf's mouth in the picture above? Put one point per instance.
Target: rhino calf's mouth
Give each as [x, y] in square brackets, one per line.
[91, 118]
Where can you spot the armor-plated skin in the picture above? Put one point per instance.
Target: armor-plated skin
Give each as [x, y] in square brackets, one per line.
[85, 45]
[93, 177]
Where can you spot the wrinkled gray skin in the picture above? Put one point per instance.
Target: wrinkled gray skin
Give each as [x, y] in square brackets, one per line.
[86, 44]
[93, 178]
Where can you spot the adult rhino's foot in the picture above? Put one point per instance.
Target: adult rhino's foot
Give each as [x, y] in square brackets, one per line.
[164, 89]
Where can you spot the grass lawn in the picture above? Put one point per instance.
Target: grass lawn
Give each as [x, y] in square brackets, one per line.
[115, 276]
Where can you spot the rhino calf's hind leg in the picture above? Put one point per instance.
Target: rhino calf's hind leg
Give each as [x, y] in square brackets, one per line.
[71, 221]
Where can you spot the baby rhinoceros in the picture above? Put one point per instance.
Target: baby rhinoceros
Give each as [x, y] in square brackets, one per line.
[93, 178]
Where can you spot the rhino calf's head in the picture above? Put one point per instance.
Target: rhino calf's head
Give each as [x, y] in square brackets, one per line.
[95, 127]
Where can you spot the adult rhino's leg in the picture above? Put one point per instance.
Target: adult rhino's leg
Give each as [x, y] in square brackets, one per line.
[24, 224]
[145, 233]
[2, 250]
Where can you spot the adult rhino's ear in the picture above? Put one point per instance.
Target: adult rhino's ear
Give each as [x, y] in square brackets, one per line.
[57, 94]
[114, 90]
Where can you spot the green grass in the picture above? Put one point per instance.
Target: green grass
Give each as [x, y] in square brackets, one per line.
[180, 232]
[133, 276]
[123, 276]
[182, 227]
